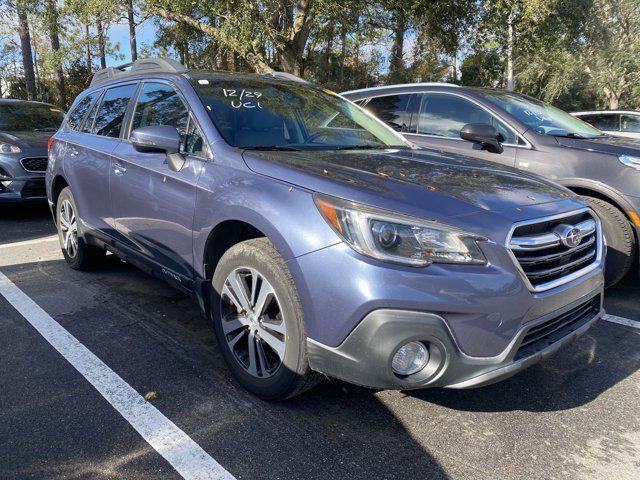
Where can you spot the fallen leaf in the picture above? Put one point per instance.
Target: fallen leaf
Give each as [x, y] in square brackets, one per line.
[150, 396]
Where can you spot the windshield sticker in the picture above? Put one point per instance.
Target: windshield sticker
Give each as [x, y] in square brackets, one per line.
[203, 82]
[243, 98]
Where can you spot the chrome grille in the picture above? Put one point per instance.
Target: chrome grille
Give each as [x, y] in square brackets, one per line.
[35, 164]
[555, 250]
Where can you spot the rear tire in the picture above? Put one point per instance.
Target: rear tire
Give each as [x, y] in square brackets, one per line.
[619, 237]
[78, 254]
[273, 327]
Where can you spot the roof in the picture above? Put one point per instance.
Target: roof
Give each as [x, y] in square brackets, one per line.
[400, 85]
[18, 100]
[168, 65]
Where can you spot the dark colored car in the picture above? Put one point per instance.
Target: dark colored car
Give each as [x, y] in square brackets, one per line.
[25, 129]
[532, 136]
[315, 238]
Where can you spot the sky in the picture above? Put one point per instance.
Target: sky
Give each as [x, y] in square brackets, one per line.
[119, 33]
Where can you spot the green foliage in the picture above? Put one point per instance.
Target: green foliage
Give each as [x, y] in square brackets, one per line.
[575, 53]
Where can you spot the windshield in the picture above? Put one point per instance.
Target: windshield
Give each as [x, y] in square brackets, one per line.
[255, 114]
[30, 117]
[541, 117]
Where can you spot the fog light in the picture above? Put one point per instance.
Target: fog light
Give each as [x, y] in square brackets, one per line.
[410, 358]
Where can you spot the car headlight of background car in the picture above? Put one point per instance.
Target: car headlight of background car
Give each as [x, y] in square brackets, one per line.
[399, 238]
[9, 148]
[629, 161]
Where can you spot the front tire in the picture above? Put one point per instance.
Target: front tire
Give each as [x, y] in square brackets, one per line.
[259, 322]
[619, 237]
[78, 254]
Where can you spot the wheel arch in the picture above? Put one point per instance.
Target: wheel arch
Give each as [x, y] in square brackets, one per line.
[58, 184]
[596, 190]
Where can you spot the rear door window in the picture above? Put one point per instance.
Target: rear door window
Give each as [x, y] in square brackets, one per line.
[444, 115]
[160, 104]
[630, 123]
[392, 109]
[112, 109]
[78, 113]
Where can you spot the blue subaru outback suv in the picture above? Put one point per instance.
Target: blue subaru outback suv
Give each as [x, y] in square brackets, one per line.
[315, 238]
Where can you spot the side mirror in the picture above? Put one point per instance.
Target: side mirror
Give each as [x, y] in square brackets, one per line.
[159, 139]
[484, 135]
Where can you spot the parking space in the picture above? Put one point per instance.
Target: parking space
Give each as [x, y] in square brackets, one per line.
[572, 416]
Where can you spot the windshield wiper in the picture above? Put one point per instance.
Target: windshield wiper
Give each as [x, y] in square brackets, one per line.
[279, 148]
[366, 147]
[47, 129]
[567, 135]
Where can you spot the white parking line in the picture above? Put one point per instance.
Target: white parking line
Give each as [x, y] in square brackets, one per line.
[185, 455]
[35, 241]
[621, 321]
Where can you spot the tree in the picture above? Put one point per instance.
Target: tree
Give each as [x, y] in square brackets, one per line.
[132, 29]
[52, 20]
[25, 46]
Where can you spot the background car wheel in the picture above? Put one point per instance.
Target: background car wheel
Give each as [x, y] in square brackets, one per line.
[78, 254]
[619, 237]
[259, 322]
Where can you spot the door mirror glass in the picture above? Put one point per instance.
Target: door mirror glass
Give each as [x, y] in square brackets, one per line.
[484, 135]
[156, 138]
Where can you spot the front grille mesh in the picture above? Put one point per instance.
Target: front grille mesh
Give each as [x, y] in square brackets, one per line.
[34, 189]
[544, 334]
[35, 164]
[542, 255]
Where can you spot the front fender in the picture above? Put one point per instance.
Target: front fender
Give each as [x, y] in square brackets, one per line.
[285, 214]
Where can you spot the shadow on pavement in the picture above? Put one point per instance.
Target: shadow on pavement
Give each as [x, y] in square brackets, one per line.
[25, 222]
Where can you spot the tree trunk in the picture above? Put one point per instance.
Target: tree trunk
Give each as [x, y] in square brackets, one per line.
[343, 55]
[132, 31]
[52, 17]
[510, 42]
[101, 46]
[396, 62]
[289, 59]
[25, 45]
[454, 67]
[87, 46]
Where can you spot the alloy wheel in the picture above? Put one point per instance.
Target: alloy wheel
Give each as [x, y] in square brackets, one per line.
[253, 322]
[69, 228]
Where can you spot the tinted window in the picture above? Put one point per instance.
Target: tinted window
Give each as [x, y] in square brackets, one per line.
[630, 123]
[444, 115]
[87, 125]
[392, 109]
[26, 116]
[77, 114]
[602, 121]
[112, 109]
[160, 104]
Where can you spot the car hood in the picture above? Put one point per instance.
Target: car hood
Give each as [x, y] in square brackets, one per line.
[419, 182]
[608, 144]
[27, 139]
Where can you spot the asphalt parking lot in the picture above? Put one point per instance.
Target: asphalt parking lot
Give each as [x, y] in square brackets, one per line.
[575, 415]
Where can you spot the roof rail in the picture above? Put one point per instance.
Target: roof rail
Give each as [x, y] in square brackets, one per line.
[402, 85]
[167, 65]
[285, 76]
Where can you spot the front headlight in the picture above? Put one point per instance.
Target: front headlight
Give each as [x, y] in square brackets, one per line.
[629, 161]
[399, 238]
[9, 148]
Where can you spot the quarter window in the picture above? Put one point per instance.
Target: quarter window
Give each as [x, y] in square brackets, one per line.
[630, 123]
[160, 104]
[77, 114]
[392, 109]
[444, 115]
[112, 109]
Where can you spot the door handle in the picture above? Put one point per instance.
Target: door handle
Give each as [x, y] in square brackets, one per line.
[118, 168]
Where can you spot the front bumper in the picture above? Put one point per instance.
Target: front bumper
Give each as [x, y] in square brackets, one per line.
[364, 358]
[20, 186]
